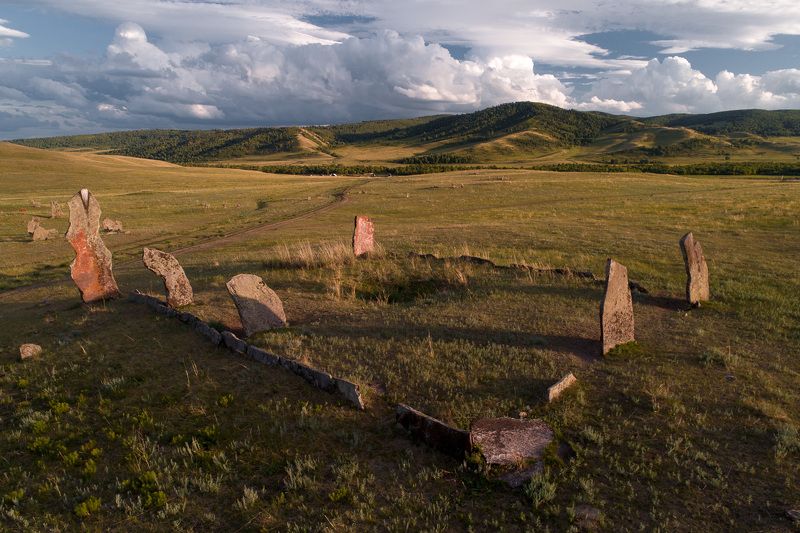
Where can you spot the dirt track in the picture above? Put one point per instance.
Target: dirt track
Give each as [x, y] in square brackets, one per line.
[234, 236]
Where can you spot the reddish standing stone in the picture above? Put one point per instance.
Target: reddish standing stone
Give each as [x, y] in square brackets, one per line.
[179, 290]
[697, 289]
[616, 309]
[363, 236]
[91, 269]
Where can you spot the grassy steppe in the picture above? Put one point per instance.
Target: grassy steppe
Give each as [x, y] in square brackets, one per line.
[130, 421]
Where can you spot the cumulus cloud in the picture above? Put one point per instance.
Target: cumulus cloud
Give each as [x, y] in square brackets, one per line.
[227, 63]
[255, 82]
[673, 86]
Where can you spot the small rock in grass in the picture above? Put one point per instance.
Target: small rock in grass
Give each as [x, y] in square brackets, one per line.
[26, 351]
[555, 391]
[42, 234]
[112, 226]
[587, 518]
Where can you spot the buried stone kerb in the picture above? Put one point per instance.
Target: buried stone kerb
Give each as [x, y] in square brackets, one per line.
[91, 270]
[616, 309]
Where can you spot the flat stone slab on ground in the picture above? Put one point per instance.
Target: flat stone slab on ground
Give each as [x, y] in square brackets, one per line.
[697, 289]
[91, 269]
[510, 441]
[363, 236]
[260, 308]
[433, 432]
[163, 264]
[28, 350]
[616, 309]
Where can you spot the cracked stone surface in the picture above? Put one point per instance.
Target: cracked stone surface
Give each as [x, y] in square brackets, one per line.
[163, 264]
[616, 309]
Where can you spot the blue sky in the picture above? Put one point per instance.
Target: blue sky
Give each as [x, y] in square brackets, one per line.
[91, 65]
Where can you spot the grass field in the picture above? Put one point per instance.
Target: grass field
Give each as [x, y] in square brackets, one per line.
[130, 421]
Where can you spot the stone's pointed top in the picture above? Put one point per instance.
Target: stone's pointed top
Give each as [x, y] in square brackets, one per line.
[85, 198]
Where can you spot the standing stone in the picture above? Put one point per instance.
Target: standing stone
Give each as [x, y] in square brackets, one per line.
[363, 236]
[55, 210]
[91, 269]
[179, 291]
[616, 309]
[32, 225]
[696, 270]
[510, 441]
[26, 351]
[259, 307]
[112, 226]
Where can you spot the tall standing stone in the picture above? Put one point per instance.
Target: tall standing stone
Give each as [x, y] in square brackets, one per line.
[179, 290]
[616, 309]
[259, 307]
[91, 269]
[363, 236]
[55, 210]
[697, 289]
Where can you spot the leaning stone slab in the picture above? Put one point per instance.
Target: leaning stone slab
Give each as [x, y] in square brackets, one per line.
[259, 307]
[697, 289]
[363, 236]
[179, 290]
[554, 391]
[510, 441]
[433, 432]
[91, 269]
[32, 225]
[616, 309]
[26, 351]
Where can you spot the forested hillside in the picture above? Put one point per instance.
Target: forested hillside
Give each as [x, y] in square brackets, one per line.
[784, 123]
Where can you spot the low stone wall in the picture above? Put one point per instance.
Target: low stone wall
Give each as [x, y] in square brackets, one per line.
[321, 380]
[567, 272]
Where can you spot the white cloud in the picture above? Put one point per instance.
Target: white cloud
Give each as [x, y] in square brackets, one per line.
[673, 86]
[7, 34]
[195, 63]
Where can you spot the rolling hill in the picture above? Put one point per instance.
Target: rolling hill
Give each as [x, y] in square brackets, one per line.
[514, 133]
